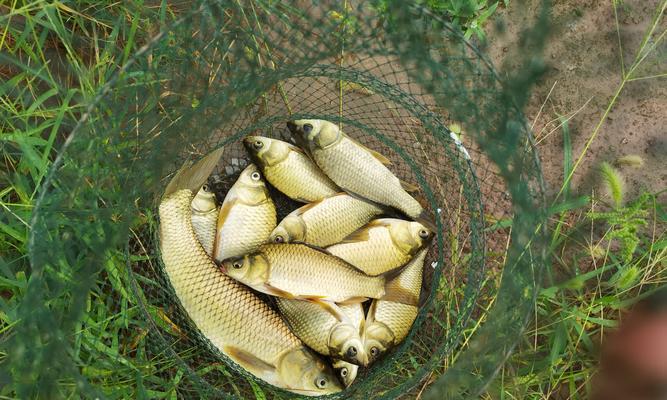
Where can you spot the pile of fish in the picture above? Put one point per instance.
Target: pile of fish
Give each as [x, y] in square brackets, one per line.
[345, 282]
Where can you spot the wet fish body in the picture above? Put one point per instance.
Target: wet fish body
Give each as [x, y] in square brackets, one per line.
[325, 222]
[289, 169]
[383, 245]
[246, 218]
[204, 218]
[299, 271]
[354, 167]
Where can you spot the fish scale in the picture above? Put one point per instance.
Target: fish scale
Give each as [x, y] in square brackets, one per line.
[225, 312]
[304, 271]
[354, 169]
[299, 178]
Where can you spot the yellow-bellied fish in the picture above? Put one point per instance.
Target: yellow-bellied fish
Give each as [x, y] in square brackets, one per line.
[227, 313]
[389, 319]
[325, 328]
[205, 217]
[383, 245]
[299, 271]
[289, 169]
[325, 222]
[246, 218]
[354, 167]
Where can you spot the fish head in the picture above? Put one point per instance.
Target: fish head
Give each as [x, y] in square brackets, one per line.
[345, 343]
[378, 338]
[410, 236]
[204, 201]
[291, 229]
[306, 373]
[266, 151]
[250, 187]
[250, 269]
[346, 372]
[318, 133]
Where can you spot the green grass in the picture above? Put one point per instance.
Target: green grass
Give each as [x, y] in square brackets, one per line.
[56, 55]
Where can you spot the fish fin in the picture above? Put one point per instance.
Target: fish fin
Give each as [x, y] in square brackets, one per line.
[301, 200]
[251, 363]
[360, 235]
[370, 315]
[409, 187]
[384, 160]
[401, 295]
[314, 247]
[296, 148]
[331, 308]
[303, 209]
[274, 291]
[353, 300]
[193, 177]
[223, 213]
[380, 222]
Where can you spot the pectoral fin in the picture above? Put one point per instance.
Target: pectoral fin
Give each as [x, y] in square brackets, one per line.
[251, 363]
[384, 160]
[274, 291]
[330, 307]
[353, 300]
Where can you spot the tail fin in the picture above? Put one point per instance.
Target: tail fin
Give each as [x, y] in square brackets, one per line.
[193, 177]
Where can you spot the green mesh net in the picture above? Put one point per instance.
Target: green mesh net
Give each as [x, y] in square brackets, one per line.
[394, 81]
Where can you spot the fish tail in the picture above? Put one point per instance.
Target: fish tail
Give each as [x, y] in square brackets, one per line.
[193, 177]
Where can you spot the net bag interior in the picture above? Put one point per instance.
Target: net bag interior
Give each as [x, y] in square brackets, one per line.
[398, 82]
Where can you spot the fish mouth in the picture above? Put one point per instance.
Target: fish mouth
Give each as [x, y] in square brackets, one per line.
[292, 127]
[223, 269]
[247, 143]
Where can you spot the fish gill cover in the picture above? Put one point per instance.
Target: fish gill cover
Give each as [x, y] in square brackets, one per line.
[394, 80]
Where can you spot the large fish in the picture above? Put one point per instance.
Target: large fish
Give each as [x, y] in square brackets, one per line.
[383, 245]
[289, 169]
[354, 167]
[325, 222]
[325, 329]
[299, 271]
[389, 319]
[205, 217]
[246, 218]
[227, 313]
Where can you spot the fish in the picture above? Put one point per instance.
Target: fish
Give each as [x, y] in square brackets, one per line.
[299, 271]
[389, 319]
[289, 169]
[228, 314]
[354, 167]
[346, 372]
[383, 245]
[205, 217]
[325, 222]
[246, 218]
[324, 328]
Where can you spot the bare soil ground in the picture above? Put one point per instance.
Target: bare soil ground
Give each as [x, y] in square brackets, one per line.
[583, 74]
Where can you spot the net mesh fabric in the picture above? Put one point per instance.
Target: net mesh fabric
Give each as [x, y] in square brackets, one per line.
[394, 82]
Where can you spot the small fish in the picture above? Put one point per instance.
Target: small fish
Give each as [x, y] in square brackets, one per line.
[389, 319]
[346, 372]
[227, 313]
[325, 222]
[354, 167]
[246, 218]
[301, 272]
[383, 245]
[289, 169]
[205, 217]
[325, 328]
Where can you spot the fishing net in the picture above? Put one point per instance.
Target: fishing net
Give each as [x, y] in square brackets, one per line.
[396, 78]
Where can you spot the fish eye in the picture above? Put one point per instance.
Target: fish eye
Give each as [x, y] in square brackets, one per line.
[258, 144]
[423, 234]
[307, 128]
[237, 264]
[374, 351]
[343, 372]
[205, 188]
[321, 383]
[352, 351]
[255, 176]
[279, 239]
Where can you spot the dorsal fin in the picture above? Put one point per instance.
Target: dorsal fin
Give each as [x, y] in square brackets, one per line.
[296, 148]
[193, 177]
[251, 363]
[303, 209]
